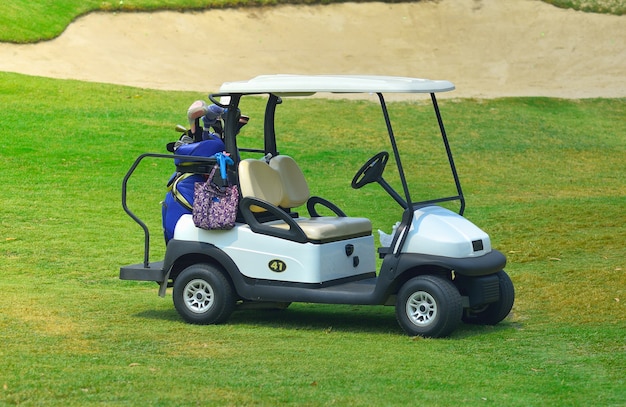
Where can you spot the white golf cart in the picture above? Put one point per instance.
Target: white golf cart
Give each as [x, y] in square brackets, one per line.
[438, 268]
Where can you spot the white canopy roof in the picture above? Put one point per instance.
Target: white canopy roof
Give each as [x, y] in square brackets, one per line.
[310, 84]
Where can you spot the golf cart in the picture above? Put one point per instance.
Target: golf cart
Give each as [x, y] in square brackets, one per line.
[437, 268]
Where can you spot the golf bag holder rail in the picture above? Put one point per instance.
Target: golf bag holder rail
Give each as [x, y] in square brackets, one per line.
[207, 163]
[193, 166]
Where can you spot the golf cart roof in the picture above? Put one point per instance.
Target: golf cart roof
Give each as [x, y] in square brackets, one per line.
[295, 85]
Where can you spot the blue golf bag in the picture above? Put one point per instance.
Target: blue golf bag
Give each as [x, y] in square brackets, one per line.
[179, 198]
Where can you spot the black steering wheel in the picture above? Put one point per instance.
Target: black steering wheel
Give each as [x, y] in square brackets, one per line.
[371, 171]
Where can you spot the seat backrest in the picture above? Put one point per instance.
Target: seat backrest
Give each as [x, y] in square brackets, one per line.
[295, 188]
[259, 180]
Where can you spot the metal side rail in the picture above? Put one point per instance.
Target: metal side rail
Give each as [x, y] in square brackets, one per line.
[143, 270]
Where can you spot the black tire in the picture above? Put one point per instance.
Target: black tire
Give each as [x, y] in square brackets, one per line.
[494, 312]
[428, 306]
[202, 295]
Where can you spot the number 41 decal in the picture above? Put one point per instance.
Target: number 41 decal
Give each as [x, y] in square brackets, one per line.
[277, 266]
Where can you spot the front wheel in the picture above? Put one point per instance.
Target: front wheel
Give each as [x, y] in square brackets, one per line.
[494, 312]
[202, 295]
[428, 306]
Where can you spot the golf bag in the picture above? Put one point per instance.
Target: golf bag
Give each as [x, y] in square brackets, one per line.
[199, 141]
[179, 198]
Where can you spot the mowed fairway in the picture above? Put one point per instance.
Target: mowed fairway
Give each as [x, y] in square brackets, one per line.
[543, 176]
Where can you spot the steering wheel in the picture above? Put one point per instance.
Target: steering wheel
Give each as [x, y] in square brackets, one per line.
[371, 171]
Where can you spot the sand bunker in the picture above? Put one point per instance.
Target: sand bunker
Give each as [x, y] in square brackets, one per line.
[488, 48]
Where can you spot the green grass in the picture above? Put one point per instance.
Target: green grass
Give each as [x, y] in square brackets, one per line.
[25, 21]
[617, 7]
[544, 177]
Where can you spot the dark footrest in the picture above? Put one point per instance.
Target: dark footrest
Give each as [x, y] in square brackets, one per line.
[154, 272]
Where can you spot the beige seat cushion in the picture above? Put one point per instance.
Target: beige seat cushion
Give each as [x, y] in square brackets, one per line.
[259, 180]
[325, 229]
[295, 188]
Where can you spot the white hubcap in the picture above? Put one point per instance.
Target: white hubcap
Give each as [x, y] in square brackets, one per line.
[421, 308]
[199, 296]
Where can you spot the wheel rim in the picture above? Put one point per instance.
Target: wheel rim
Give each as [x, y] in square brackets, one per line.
[421, 308]
[199, 296]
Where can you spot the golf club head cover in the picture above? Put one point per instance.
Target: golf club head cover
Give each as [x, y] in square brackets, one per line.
[197, 109]
[212, 115]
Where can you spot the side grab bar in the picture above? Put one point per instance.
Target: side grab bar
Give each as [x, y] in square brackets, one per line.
[146, 256]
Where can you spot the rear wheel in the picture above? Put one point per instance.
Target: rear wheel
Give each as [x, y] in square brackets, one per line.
[428, 306]
[492, 313]
[203, 295]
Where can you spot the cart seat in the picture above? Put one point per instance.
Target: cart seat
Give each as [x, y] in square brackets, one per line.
[295, 188]
[324, 229]
[283, 185]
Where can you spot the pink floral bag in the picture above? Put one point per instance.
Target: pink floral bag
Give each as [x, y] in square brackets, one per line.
[214, 207]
